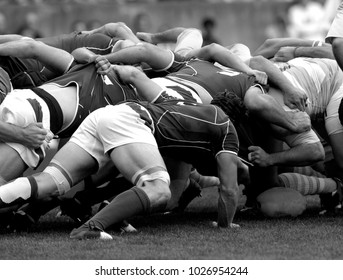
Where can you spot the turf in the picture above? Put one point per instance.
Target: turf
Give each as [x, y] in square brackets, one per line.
[187, 236]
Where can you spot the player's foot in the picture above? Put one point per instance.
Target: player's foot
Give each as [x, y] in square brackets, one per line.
[204, 181]
[124, 226]
[73, 208]
[331, 203]
[21, 221]
[89, 231]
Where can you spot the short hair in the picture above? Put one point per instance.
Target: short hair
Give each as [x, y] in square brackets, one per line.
[340, 112]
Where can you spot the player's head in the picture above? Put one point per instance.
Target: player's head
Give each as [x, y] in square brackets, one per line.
[340, 112]
[5, 84]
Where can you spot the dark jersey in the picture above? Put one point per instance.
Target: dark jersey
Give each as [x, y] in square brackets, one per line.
[191, 132]
[213, 79]
[94, 91]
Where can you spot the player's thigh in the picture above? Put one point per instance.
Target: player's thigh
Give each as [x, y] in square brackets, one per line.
[76, 161]
[136, 157]
[11, 164]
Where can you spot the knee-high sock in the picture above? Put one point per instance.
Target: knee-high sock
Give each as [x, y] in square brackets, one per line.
[307, 185]
[18, 192]
[125, 205]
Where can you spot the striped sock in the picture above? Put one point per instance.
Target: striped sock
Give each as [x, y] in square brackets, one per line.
[307, 185]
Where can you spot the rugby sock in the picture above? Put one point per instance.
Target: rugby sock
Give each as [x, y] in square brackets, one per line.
[308, 170]
[91, 196]
[126, 205]
[18, 191]
[307, 185]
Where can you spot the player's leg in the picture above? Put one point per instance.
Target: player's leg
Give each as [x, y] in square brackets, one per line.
[70, 165]
[144, 166]
[11, 164]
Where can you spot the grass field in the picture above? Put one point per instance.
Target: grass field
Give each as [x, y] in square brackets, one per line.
[187, 236]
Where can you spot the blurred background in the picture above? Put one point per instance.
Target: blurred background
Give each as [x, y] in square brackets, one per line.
[223, 21]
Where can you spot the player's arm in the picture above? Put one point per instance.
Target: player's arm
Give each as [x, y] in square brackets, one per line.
[217, 53]
[166, 36]
[293, 97]
[31, 136]
[228, 189]
[53, 58]
[10, 37]
[117, 30]
[300, 155]
[271, 46]
[147, 89]
[285, 54]
[156, 57]
[83, 55]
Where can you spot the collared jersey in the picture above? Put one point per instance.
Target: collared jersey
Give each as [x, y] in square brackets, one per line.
[192, 132]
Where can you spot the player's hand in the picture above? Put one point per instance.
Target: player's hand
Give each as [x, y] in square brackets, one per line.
[102, 64]
[33, 135]
[258, 156]
[296, 99]
[261, 77]
[232, 225]
[284, 54]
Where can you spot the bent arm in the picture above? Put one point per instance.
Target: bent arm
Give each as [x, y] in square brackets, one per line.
[294, 97]
[271, 46]
[157, 58]
[146, 88]
[83, 55]
[300, 155]
[53, 58]
[117, 30]
[217, 53]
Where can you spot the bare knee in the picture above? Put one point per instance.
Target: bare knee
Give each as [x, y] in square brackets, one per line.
[158, 192]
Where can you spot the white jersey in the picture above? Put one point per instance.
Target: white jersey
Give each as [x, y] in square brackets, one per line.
[319, 78]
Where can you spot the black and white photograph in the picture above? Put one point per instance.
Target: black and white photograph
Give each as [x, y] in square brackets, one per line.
[171, 139]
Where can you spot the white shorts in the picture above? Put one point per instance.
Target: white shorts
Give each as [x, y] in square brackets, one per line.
[336, 29]
[242, 51]
[16, 109]
[110, 127]
[190, 39]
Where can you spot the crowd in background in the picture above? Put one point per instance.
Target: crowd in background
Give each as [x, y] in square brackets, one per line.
[308, 19]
